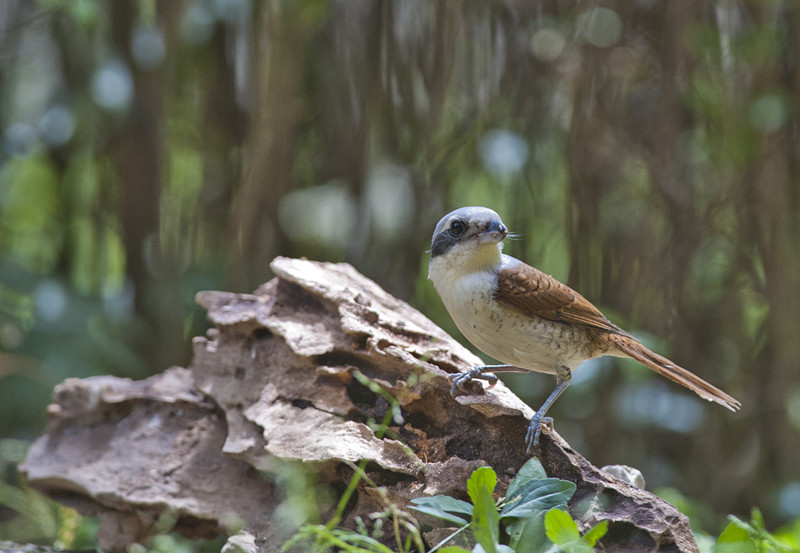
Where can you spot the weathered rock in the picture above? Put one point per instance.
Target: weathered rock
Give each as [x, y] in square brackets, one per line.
[278, 380]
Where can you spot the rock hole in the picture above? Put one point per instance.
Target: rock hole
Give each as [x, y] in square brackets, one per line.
[446, 367]
[467, 449]
[360, 395]
[341, 359]
[383, 344]
[420, 420]
[360, 341]
[262, 333]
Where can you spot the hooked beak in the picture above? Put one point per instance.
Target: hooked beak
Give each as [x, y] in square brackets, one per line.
[494, 233]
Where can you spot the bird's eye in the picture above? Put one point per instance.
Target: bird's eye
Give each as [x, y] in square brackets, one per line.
[457, 228]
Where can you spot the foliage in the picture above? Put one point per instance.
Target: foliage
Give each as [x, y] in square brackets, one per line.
[753, 537]
[320, 538]
[28, 517]
[40, 520]
[531, 514]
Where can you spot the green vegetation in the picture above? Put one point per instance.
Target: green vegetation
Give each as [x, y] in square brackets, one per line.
[532, 514]
[533, 517]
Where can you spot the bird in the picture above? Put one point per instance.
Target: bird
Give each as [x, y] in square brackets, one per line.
[527, 319]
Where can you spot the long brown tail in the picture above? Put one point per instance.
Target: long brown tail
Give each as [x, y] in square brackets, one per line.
[631, 348]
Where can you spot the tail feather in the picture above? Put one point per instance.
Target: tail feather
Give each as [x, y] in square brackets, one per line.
[631, 348]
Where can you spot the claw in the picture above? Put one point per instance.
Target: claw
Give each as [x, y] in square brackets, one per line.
[535, 430]
[460, 380]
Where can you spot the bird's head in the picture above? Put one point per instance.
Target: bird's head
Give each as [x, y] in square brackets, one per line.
[470, 238]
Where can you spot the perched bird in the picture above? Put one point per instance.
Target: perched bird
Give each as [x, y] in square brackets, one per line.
[526, 319]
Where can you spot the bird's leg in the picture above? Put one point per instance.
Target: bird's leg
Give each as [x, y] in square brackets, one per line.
[460, 380]
[563, 377]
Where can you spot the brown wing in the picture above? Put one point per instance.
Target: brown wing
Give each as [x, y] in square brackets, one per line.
[535, 293]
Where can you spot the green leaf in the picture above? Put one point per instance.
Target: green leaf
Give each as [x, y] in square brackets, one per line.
[735, 539]
[530, 471]
[444, 507]
[560, 527]
[485, 519]
[530, 495]
[596, 533]
[483, 479]
[453, 549]
[757, 518]
[764, 541]
[537, 496]
[527, 535]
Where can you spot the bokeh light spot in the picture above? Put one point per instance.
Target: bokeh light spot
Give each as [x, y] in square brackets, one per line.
[643, 405]
[19, 139]
[112, 86]
[768, 113]
[390, 199]
[51, 300]
[147, 47]
[600, 27]
[547, 44]
[503, 152]
[789, 500]
[57, 125]
[197, 25]
[324, 215]
[232, 11]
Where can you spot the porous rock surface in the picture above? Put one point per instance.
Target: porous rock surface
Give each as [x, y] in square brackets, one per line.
[274, 384]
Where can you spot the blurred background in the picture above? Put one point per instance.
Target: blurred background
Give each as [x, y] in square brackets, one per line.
[647, 152]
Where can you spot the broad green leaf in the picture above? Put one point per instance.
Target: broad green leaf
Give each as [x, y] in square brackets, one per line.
[486, 522]
[531, 470]
[538, 496]
[735, 539]
[453, 549]
[444, 507]
[485, 519]
[560, 527]
[483, 478]
[527, 535]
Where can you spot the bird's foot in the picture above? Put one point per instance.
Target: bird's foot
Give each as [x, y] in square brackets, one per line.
[460, 380]
[535, 430]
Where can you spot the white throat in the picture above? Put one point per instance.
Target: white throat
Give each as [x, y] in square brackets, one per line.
[463, 260]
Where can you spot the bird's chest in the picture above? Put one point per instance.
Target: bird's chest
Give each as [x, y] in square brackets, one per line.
[516, 338]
